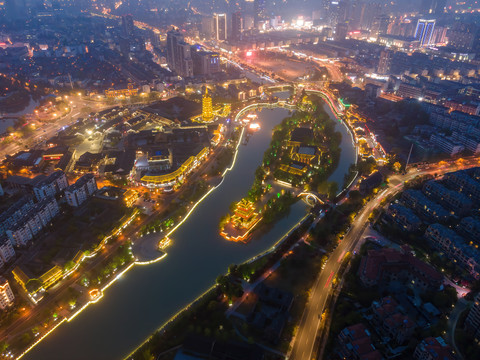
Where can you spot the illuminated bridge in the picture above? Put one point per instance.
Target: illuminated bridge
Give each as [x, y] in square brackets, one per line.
[311, 198]
[277, 104]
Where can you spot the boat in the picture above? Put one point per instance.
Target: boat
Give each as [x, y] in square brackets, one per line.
[164, 243]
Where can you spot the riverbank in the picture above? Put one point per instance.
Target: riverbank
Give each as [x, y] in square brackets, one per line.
[150, 294]
[214, 303]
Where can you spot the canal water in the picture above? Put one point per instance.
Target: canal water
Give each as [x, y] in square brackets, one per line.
[146, 296]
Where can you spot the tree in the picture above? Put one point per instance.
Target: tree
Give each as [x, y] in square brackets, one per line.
[33, 285]
[3, 347]
[397, 166]
[332, 190]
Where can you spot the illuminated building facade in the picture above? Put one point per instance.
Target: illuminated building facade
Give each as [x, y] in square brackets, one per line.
[129, 91]
[207, 108]
[6, 294]
[177, 176]
[130, 197]
[424, 31]
[220, 26]
[242, 222]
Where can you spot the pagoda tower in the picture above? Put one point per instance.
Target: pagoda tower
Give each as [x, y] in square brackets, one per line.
[207, 108]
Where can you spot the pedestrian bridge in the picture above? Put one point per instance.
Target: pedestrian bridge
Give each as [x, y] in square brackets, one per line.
[311, 198]
[267, 105]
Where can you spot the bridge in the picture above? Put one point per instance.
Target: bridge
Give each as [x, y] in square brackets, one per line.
[311, 198]
[280, 103]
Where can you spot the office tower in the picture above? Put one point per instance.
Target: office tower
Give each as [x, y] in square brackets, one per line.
[385, 62]
[237, 25]
[127, 26]
[380, 24]
[341, 31]
[178, 54]
[207, 27]
[462, 36]
[433, 6]
[440, 35]
[260, 11]
[204, 62]
[343, 9]
[325, 8]
[220, 26]
[424, 31]
[16, 9]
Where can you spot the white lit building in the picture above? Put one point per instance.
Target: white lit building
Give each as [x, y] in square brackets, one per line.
[6, 294]
[79, 192]
[6, 250]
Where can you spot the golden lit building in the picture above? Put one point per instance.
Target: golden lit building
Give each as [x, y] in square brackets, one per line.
[44, 281]
[242, 222]
[207, 108]
[244, 214]
[129, 91]
[130, 197]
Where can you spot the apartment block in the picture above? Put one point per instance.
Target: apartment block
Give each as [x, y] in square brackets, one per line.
[462, 182]
[20, 235]
[433, 349]
[21, 231]
[6, 250]
[456, 202]
[446, 144]
[390, 321]
[470, 228]
[355, 343]
[79, 192]
[6, 295]
[386, 265]
[426, 208]
[404, 217]
[45, 187]
[15, 212]
[455, 247]
[472, 322]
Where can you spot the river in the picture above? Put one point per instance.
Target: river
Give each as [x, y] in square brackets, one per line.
[146, 296]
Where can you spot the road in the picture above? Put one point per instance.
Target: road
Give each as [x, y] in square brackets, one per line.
[78, 109]
[304, 343]
[460, 307]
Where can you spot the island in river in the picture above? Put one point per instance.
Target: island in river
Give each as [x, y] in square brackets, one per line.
[303, 153]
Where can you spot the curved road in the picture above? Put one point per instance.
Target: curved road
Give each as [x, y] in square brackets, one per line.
[304, 342]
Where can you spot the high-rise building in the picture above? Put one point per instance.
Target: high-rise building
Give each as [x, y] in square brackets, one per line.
[440, 35]
[260, 11]
[6, 294]
[385, 62]
[207, 107]
[237, 25]
[341, 31]
[461, 36]
[178, 54]
[207, 27]
[127, 26]
[472, 322]
[204, 62]
[220, 26]
[433, 6]
[424, 31]
[380, 24]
